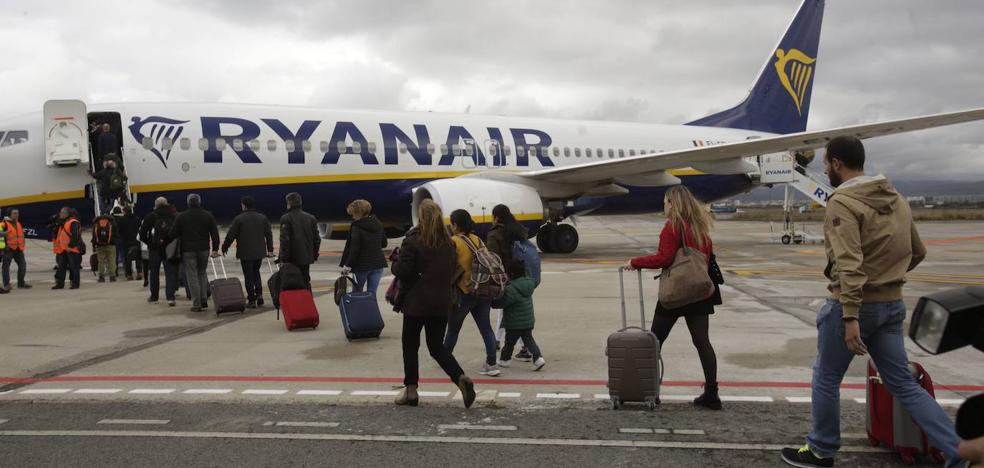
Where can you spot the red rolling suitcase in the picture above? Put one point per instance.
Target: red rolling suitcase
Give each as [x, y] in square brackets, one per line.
[299, 309]
[889, 424]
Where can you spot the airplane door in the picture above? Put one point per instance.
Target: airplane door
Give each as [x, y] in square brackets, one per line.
[66, 139]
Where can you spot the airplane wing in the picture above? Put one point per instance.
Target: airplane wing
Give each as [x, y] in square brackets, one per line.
[651, 163]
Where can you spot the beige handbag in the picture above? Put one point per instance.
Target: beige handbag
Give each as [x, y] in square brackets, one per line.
[686, 281]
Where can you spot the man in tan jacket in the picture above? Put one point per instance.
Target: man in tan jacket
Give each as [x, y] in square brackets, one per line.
[871, 243]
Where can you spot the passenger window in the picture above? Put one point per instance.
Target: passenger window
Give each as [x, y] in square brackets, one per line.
[341, 147]
[556, 151]
[444, 148]
[271, 145]
[167, 143]
[185, 144]
[507, 150]
[403, 148]
[493, 150]
[202, 144]
[237, 144]
[470, 150]
[148, 143]
[532, 151]
[324, 146]
[220, 144]
[577, 152]
[599, 152]
[519, 149]
[456, 150]
[430, 148]
[631, 152]
[621, 153]
[587, 152]
[254, 145]
[290, 146]
[567, 152]
[372, 147]
[356, 147]
[306, 144]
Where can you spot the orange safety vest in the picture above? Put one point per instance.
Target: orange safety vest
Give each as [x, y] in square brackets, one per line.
[15, 235]
[64, 237]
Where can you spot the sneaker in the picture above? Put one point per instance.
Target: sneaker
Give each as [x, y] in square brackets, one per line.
[491, 371]
[23, 286]
[58, 286]
[196, 309]
[259, 302]
[74, 286]
[505, 363]
[540, 362]
[112, 279]
[251, 305]
[171, 303]
[102, 279]
[524, 355]
[804, 458]
[4, 291]
[152, 300]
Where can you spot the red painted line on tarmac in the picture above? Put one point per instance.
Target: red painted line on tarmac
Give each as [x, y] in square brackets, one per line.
[954, 240]
[397, 380]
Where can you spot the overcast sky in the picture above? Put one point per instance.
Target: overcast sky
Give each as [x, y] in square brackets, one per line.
[665, 61]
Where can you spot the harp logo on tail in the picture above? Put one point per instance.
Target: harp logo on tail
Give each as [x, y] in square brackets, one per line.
[795, 69]
[162, 132]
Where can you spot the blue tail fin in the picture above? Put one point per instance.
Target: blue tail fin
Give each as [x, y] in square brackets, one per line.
[780, 100]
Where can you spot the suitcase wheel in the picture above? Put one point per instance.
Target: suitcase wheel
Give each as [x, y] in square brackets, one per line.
[872, 441]
[651, 404]
[615, 404]
[908, 458]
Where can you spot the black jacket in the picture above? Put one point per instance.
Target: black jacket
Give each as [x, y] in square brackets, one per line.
[299, 238]
[107, 144]
[195, 227]
[147, 234]
[253, 235]
[364, 247]
[103, 177]
[128, 228]
[501, 238]
[427, 277]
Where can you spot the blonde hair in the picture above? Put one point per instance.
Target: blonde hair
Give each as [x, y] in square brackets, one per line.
[359, 207]
[687, 211]
[433, 233]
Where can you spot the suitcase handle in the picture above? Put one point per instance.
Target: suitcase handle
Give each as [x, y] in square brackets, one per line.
[214, 271]
[642, 299]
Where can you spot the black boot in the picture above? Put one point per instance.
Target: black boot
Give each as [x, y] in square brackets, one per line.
[709, 399]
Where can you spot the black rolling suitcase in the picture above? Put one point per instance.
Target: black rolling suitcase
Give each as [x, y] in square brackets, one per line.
[634, 363]
[227, 293]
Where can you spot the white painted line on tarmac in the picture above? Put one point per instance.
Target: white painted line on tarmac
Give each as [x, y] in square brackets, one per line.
[661, 431]
[320, 392]
[8, 391]
[45, 391]
[143, 422]
[758, 399]
[474, 427]
[207, 391]
[302, 424]
[799, 399]
[688, 432]
[634, 430]
[854, 435]
[152, 391]
[375, 393]
[527, 441]
[950, 401]
[861, 400]
[263, 392]
[434, 394]
[602, 396]
[559, 396]
[98, 391]
[3, 420]
[509, 394]
[677, 397]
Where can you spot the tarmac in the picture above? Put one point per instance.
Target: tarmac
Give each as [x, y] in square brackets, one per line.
[104, 345]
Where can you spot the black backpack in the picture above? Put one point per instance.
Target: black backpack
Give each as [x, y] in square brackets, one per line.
[117, 181]
[161, 229]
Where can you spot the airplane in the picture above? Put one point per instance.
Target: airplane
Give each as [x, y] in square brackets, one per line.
[547, 170]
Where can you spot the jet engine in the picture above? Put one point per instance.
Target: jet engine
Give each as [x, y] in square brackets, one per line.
[479, 196]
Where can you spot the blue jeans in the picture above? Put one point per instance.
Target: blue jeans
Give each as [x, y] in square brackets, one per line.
[881, 331]
[371, 277]
[479, 310]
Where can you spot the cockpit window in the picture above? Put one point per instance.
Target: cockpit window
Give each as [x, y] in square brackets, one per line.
[12, 137]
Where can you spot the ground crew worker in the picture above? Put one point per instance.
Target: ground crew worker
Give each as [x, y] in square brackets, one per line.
[68, 247]
[14, 251]
[3, 251]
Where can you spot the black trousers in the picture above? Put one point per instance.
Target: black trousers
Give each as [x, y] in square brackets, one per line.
[131, 255]
[434, 329]
[70, 264]
[16, 256]
[251, 276]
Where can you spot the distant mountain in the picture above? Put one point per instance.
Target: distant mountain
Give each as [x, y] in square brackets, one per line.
[909, 188]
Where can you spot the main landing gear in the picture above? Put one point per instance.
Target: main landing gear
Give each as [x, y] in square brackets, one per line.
[557, 238]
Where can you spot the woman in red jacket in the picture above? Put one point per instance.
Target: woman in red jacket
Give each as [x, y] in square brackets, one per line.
[684, 214]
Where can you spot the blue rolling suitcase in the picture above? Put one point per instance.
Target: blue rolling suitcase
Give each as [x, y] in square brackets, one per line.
[360, 315]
